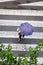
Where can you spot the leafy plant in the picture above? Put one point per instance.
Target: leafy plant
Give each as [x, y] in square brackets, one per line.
[41, 64]
[8, 58]
[35, 52]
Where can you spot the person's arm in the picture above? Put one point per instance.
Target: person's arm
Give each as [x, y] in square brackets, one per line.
[17, 29]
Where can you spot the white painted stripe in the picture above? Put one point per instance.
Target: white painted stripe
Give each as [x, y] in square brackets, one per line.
[13, 34]
[6, 0]
[21, 12]
[40, 60]
[40, 3]
[8, 34]
[20, 47]
[18, 22]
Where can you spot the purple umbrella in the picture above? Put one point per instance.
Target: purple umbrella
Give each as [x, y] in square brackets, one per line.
[26, 29]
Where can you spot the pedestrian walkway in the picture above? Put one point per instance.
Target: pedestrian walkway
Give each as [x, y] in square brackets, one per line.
[10, 20]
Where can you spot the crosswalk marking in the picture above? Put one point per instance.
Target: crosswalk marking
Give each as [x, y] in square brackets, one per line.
[20, 47]
[13, 34]
[6, 0]
[21, 12]
[40, 3]
[18, 22]
[40, 60]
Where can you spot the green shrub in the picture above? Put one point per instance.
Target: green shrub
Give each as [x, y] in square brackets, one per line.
[8, 58]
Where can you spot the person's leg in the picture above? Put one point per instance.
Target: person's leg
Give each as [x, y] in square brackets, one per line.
[23, 36]
[20, 37]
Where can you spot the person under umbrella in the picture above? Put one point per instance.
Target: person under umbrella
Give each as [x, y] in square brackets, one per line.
[20, 34]
[25, 29]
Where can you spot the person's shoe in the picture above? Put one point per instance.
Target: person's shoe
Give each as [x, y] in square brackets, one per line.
[22, 37]
[19, 40]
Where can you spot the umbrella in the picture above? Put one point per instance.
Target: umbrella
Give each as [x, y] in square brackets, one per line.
[26, 28]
